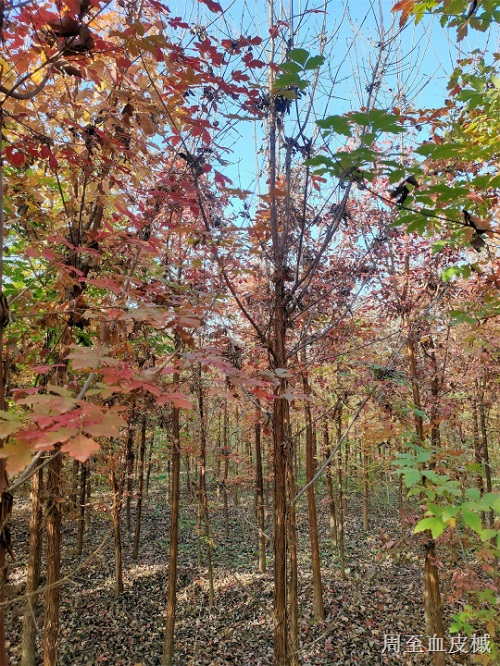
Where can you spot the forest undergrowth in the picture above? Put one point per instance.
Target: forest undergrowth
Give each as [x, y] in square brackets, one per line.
[380, 595]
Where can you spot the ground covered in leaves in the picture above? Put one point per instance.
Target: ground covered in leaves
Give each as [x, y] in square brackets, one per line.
[381, 593]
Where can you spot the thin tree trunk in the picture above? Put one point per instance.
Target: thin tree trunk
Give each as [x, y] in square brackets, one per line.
[419, 423]
[340, 485]
[74, 487]
[259, 494]
[188, 473]
[81, 508]
[129, 461]
[432, 596]
[148, 468]
[329, 486]
[486, 457]
[236, 457]
[140, 482]
[400, 504]
[293, 599]
[203, 497]
[28, 649]
[117, 489]
[319, 610]
[54, 515]
[168, 646]
[88, 497]
[226, 469]
[432, 601]
[366, 490]
[5, 498]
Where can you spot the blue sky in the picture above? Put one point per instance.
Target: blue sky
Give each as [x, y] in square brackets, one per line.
[420, 60]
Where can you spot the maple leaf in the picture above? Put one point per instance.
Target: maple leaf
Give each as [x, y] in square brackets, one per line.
[107, 426]
[18, 455]
[405, 7]
[178, 400]
[213, 6]
[81, 448]
[8, 425]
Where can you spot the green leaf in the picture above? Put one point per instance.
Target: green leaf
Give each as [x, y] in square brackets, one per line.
[314, 62]
[411, 476]
[299, 55]
[452, 271]
[339, 124]
[488, 534]
[434, 508]
[449, 511]
[419, 225]
[287, 79]
[435, 525]
[438, 246]
[432, 476]
[441, 152]
[359, 118]
[423, 456]
[473, 493]
[319, 160]
[291, 67]
[472, 520]
[491, 501]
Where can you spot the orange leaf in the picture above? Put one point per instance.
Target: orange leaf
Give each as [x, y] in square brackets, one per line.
[18, 455]
[81, 448]
[405, 7]
[107, 426]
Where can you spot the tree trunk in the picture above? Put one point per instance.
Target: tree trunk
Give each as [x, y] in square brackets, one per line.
[226, 470]
[168, 646]
[293, 599]
[366, 490]
[188, 473]
[340, 482]
[280, 441]
[88, 497]
[28, 649]
[5, 498]
[129, 462]
[486, 458]
[203, 498]
[140, 482]
[259, 494]
[432, 601]
[432, 597]
[81, 508]
[117, 489]
[54, 514]
[319, 610]
[329, 486]
[148, 472]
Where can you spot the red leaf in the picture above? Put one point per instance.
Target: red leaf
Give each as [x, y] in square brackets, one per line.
[81, 448]
[17, 159]
[179, 400]
[213, 6]
[73, 5]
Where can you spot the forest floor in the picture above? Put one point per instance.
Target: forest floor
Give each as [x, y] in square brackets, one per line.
[379, 596]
